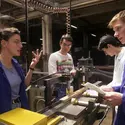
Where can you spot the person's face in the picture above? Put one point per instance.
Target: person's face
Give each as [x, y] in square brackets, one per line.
[119, 29]
[14, 45]
[109, 51]
[65, 45]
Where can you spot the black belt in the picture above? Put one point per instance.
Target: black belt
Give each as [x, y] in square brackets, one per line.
[17, 100]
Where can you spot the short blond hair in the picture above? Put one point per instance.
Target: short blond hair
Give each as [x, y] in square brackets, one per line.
[118, 16]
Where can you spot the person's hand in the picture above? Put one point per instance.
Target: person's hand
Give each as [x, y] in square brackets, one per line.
[114, 98]
[106, 88]
[73, 72]
[58, 74]
[36, 57]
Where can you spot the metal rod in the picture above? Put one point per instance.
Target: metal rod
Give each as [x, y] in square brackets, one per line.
[106, 112]
[43, 77]
[83, 103]
[27, 33]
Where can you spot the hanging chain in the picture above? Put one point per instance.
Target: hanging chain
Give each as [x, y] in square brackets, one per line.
[40, 6]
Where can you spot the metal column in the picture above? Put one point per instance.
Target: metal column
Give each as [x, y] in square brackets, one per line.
[47, 39]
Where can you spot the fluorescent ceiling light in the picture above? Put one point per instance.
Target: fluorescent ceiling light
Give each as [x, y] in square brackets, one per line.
[24, 43]
[41, 39]
[93, 35]
[73, 26]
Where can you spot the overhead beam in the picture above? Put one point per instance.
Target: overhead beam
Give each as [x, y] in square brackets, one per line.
[99, 9]
[85, 7]
[18, 4]
[31, 15]
[8, 10]
[84, 3]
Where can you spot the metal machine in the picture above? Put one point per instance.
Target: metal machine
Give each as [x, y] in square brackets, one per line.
[42, 91]
[87, 72]
[77, 108]
[84, 109]
[50, 83]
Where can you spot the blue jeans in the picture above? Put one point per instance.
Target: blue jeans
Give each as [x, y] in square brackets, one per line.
[61, 90]
[16, 105]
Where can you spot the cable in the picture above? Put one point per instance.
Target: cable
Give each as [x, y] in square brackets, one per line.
[106, 112]
[43, 77]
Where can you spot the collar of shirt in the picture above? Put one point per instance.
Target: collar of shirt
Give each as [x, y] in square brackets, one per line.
[120, 55]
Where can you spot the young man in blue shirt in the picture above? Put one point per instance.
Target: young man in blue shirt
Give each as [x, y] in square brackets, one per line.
[116, 95]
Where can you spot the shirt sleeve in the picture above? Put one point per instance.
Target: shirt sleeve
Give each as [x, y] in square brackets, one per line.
[123, 101]
[111, 83]
[116, 88]
[52, 66]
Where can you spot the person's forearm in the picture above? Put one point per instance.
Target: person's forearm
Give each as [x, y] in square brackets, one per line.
[28, 77]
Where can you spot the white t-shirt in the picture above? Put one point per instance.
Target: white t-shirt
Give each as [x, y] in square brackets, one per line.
[60, 63]
[118, 68]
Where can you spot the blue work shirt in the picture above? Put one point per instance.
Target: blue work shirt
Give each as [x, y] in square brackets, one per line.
[5, 89]
[120, 117]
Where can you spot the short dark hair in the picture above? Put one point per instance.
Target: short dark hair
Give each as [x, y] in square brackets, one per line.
[108, 39]
[66, 37]
[6, 21]
[6, 33]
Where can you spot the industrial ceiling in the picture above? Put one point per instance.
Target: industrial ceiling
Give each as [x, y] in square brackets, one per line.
[86, 12]
[89, 16]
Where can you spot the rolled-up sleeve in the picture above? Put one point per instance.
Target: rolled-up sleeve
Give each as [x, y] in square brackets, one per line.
[116, 88]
